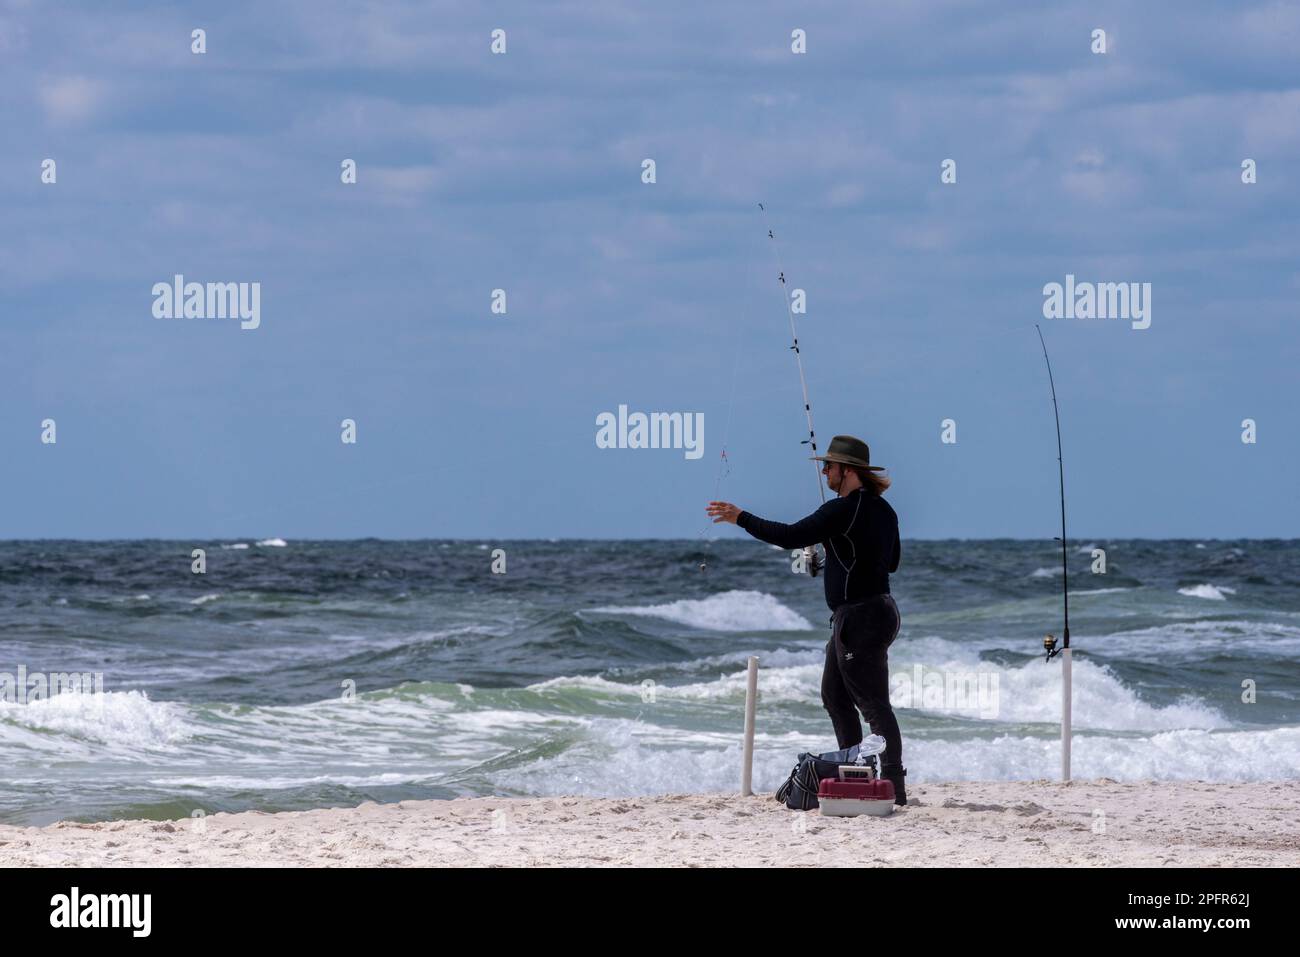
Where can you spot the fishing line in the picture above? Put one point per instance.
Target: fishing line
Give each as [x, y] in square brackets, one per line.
[724, 464]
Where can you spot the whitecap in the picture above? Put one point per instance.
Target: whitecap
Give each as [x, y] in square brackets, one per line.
[726, 611]
[116, 719]
[1212, 592]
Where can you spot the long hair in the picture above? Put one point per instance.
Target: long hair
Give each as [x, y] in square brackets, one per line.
[874, 482]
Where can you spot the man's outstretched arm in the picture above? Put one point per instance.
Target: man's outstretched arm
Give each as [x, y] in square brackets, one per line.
[817, 527]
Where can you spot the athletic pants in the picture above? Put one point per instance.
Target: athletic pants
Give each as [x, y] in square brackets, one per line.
[856, 676]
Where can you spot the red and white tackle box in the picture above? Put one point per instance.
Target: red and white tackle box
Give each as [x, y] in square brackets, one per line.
[856, 791]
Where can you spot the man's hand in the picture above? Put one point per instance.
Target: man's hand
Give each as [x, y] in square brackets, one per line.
[723, 512]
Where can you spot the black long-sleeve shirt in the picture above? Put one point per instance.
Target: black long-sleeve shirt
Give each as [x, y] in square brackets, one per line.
[860, 535]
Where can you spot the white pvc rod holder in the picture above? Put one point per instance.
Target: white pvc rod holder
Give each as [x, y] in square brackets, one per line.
[751, 701]
[1065, 715]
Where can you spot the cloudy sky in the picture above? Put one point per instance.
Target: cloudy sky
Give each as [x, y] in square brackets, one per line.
[522, 172]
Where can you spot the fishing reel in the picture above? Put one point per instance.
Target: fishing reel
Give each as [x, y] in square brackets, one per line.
[813, 560]
[1049, 644]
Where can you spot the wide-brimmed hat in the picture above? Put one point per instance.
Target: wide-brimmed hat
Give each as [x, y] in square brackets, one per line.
[848, 450]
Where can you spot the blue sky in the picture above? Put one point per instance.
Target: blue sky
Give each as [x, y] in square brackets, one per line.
[522, 171]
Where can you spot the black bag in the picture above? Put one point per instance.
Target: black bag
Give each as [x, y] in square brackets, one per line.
[799, 792]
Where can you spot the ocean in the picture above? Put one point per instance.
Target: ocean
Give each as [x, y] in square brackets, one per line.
[294, 675]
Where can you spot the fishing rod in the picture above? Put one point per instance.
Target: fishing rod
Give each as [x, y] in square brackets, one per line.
[1049, 643]
[812, 556]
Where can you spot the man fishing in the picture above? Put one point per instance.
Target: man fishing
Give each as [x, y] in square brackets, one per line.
[859, 531]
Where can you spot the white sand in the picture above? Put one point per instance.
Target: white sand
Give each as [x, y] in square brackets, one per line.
[1089, 823]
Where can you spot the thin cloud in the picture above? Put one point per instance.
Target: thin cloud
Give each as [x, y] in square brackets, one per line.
[70, 99]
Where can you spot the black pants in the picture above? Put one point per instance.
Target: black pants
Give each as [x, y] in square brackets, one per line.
[856, 676]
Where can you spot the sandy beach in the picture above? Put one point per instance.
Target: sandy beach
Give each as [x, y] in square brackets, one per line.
[1098, 823]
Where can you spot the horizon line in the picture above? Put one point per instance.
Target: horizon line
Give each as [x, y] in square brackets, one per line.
[254, 540]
